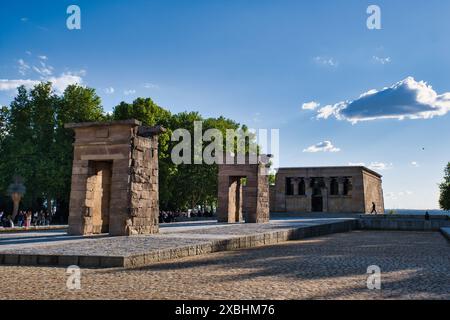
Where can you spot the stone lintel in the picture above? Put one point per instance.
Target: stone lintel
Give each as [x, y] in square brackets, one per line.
[103, 157]
[131, 122]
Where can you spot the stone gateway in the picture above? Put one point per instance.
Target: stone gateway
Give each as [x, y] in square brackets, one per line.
[239, 203]
[114, 179]
[327, 189]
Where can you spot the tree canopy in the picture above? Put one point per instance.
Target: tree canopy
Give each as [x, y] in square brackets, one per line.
[444, 199]
[36, 147]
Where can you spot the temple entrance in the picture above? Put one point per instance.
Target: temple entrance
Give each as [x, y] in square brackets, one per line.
[243, 190]
[317, 204]
[99, 182]
[235, 199]
[316, 199]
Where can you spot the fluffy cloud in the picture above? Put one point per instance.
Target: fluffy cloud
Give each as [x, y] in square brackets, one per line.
[325, 146]
[23, 67]
[7, 85]
[310, 105]
[407, 99]
[396, 195]
[357, 164]
[109, 90]
[381, 60]
[377, 166]
[325, 61]
[59, 83]
[151, 86]
[129, 92]
[380, 166]
[45, 72]
[415, 164]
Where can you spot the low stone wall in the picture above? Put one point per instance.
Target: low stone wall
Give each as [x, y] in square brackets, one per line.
[446, 233]
[403, 222]
[33, 228]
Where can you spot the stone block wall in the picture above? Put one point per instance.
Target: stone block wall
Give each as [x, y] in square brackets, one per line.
[143, 206]
[373, 192]
[254, 201]
[114, 179]
[365, 186]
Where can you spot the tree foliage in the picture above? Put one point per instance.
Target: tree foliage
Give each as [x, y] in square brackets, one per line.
[180, 186]
[444, 200]
[36, 147]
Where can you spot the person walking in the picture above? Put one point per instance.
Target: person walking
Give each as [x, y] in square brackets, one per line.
[374, 208]
[20, 219]
[28, 219]
[11, 222]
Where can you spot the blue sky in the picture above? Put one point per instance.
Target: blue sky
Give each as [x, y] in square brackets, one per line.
[259, 62]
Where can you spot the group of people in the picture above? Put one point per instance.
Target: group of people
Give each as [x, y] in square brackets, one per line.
[25, 219]
[170, 216]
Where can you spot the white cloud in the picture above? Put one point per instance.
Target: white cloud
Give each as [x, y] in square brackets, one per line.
[415, 164]
[151, 86]
[382, 60]
[310, 105]
[109, 90]
[396, 195]
[43, 70]
[325, 61]
[59, 83]
[377, 166]
[390, 196]
[23, 67]
[129, 92]
[64, 80]
[407, 99]
[325, 146]
[380, 166]
[357, 164]
[7, 85]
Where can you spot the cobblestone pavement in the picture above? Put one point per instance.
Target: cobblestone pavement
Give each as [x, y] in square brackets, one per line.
[414, 266]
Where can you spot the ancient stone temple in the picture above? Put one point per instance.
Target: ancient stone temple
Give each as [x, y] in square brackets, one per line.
[327, 189]
[114, 179]
[244, 190]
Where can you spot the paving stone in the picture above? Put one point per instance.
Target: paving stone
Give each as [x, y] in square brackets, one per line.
[414, 265]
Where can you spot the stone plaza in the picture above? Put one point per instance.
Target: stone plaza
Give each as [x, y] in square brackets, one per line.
[414, 266]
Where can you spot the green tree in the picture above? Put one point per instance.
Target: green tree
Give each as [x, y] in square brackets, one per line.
[18, 145]
[4, 118]
[37, 147]
[4, 115]
[444, 200]
[43, 119]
